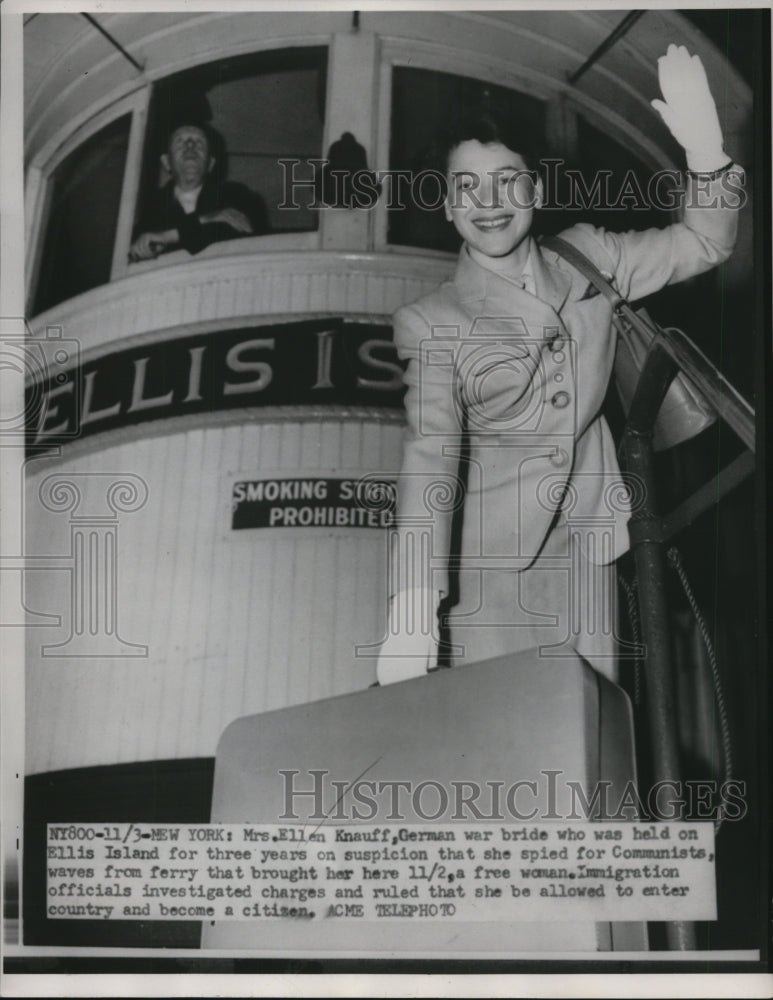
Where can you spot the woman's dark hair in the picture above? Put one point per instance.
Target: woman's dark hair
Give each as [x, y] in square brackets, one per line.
[486, 127]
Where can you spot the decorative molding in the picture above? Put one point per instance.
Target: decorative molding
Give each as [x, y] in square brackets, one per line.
[249, 287]
[84, 77]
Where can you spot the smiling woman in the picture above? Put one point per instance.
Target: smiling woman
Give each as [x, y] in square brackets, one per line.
[421, 102]
[514, 358]
[491, 201]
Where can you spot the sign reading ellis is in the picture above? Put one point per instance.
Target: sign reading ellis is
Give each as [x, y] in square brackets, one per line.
[313, 503]
[325, 361]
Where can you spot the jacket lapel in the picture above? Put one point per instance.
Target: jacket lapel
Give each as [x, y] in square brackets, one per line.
[486, 293]
[553, 285]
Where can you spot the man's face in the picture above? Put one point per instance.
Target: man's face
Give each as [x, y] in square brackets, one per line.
[189, 160]
[491, 197]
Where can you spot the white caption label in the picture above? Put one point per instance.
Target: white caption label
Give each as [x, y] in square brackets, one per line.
[547, 871]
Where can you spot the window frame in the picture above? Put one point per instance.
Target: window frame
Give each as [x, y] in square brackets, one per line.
[397, 53]
[40, 183]
[302, 239]
[41, 170]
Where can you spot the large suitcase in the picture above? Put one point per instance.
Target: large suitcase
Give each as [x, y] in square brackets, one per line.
[514, 718]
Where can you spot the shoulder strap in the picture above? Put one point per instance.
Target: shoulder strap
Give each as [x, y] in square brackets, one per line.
[621, 307]
[586, 267]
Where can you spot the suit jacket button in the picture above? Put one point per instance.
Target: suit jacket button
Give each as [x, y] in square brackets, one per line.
[559, 457]
[560, 400]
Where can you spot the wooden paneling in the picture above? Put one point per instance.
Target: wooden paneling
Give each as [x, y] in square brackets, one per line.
[234, 621]
[239, 289]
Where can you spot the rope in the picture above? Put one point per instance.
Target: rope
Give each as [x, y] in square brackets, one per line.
[632, 598]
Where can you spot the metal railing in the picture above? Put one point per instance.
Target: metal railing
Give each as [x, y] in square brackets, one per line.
[671, 352]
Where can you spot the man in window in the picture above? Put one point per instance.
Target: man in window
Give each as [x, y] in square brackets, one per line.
[194, 208]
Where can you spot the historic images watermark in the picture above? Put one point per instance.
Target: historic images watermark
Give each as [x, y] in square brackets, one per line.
[554, 187]
[318, 796]
[89, 555]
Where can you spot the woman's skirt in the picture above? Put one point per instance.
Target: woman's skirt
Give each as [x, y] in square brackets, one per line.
[562, 604]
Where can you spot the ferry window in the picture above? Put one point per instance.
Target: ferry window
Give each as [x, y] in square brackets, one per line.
[255, 110]
[603, 177]
[422, 101]
[636, 196]
[84, 200]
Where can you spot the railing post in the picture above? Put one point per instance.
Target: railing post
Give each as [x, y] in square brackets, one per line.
[647, 544]
[647, 548]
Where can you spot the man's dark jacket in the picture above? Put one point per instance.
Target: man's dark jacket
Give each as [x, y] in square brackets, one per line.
[163, 211]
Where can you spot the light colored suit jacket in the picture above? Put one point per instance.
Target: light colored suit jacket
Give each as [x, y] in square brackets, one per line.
[527, 375]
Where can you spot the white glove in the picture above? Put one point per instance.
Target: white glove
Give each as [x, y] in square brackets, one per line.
[689, 110]
[411, 648]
